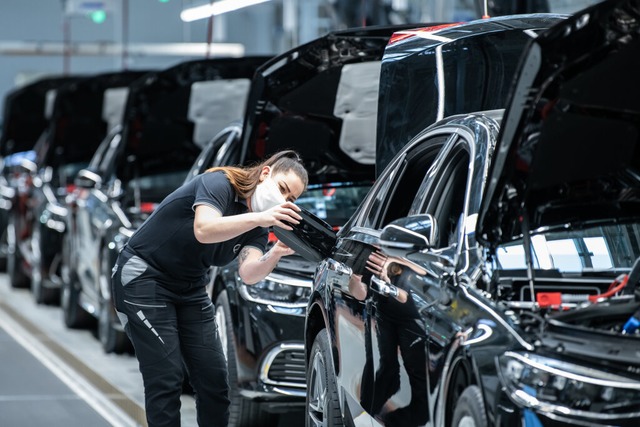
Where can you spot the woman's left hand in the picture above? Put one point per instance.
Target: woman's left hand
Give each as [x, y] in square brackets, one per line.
[282, 250]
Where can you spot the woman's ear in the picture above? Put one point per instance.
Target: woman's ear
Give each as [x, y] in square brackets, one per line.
[264, 173]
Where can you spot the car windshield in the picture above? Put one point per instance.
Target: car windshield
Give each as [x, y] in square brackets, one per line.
[334, 202]
[603, 248]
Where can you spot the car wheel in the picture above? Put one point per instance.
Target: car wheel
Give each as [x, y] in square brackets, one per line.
[242, 412]
[113, 340]
[469, 410]
[323, 407]
[17, 277]
[74, 315]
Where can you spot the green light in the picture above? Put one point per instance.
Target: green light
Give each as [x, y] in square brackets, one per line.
[98, 16]
[163, 1]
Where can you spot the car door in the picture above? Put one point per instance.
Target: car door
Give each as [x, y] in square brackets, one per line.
[451, 194]
[367, 319]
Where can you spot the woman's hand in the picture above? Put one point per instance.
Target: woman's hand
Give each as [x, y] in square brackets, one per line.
[281, 216]
[377, 264]
[280, 249]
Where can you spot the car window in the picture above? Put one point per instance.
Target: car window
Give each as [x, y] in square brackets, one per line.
[400, 184]
[448, 194]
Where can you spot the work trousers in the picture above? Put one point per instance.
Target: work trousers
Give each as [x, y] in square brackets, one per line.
[169, 322]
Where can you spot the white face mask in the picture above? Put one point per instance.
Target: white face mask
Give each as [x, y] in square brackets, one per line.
[266, 196]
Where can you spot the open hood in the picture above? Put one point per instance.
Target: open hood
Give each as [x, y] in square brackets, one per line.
[176, 111]
[320, 99]
[435, 72]
[568, 151]
[24, 114]
[77, 124]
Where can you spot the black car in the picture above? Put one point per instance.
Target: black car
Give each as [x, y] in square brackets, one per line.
[23, 122]
[169, 116]
[510, 295]
[76, 126]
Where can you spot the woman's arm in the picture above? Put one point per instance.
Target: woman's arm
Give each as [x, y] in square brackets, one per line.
[209, 226]
[253, 266]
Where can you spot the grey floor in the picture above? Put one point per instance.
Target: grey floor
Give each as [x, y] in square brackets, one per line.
[54, 376]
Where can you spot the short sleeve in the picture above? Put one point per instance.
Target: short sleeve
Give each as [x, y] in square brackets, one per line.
[214, 189]
[257, 238]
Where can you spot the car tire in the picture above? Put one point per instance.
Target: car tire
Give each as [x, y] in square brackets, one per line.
[469, 410]
[75, 317]
[112, 339]
[323, 406]
[242, 412]
[17, 277]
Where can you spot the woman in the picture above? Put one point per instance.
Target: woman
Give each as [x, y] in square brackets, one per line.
[160, 276]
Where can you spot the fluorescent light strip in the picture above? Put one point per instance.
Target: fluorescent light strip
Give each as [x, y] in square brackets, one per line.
[216, 8]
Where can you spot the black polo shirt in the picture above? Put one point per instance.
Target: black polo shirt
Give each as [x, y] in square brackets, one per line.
[166, 240]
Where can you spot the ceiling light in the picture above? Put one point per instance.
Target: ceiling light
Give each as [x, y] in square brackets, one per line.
[216, 8]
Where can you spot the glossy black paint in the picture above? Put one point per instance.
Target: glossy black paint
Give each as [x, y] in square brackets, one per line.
[431, 73]
[293, 99]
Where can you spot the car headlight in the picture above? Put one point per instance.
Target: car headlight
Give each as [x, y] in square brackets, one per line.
[280, 290]
[564, 388]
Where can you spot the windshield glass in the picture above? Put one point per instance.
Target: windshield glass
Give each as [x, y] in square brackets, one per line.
[334, 202]
[602, 248]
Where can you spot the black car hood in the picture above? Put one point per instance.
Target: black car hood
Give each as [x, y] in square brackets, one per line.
[24, 114]
[320, 99]
[568, 152]
[434, 72]
[161, 119]
[77, 124]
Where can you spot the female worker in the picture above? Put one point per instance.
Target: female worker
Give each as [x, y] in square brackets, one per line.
[160, 276]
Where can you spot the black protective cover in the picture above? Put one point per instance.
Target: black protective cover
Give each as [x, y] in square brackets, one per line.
[312, 239]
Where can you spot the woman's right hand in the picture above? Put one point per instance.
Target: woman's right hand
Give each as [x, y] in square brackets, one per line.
[281, 216]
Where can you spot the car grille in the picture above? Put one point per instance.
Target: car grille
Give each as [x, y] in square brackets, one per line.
[284, 366]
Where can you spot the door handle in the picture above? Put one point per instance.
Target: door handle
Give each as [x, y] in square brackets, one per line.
[383, 288]
[338, 267]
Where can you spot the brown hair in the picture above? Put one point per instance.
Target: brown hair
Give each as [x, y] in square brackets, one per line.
[245, 179]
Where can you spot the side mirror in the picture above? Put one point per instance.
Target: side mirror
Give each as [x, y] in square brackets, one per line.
[87, 179]
[407, 235]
